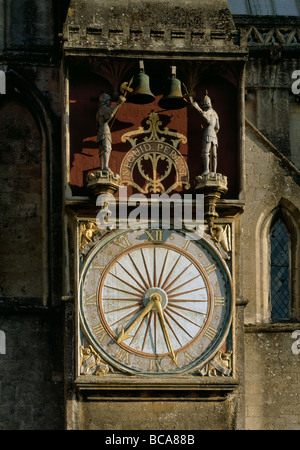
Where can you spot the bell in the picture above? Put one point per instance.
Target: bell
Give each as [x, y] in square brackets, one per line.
[173, 98]
[141, 84]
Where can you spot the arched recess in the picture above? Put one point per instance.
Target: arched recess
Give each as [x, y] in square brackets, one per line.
[289, 216]
[225, 98]
[82, 156]
[30, 101]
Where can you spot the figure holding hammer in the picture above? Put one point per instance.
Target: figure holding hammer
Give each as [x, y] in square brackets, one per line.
[210, 140]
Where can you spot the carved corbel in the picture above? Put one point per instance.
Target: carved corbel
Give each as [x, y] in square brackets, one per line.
[213, 186]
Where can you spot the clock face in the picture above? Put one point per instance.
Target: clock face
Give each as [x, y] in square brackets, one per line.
[152, 302]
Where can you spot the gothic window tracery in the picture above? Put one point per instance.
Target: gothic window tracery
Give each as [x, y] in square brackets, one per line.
[281, 260]
[280, 271]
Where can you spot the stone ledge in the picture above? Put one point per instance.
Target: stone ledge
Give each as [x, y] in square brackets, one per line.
[272, 327]
[176, 388]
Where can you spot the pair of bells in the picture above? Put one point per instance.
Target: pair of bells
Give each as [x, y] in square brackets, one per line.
[172, 98]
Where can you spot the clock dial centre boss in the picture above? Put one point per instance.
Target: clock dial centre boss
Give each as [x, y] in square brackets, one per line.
[153, 302]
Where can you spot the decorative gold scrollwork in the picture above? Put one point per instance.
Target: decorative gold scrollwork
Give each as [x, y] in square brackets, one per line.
[221, 364]
[156, 134]
[153, 165]
[91, 363]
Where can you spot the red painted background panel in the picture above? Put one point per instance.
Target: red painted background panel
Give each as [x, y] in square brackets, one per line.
[84, 92]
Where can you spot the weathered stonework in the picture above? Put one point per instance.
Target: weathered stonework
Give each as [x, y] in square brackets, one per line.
[149, 27]
[272, 380]
[271, 369]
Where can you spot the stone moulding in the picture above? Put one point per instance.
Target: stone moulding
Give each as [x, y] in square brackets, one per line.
[116, 387]
[97, 37]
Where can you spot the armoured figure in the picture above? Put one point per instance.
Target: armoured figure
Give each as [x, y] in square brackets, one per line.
[210, 140]
[104, 114]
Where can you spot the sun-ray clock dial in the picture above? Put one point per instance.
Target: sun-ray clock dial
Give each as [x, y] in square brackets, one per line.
[154, 303]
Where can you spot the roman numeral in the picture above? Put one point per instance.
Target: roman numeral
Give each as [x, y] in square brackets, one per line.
[155, 366]
[100, 332]
[154, 235]
[219, 301]
[123, 356]
[210, 332]
[210, 269]
[91, 300]
[189, 357]
[100, 268]
[186, 245]
[123, 242]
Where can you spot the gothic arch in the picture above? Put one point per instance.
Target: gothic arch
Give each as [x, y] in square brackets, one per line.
[290, 216]
[24, 92]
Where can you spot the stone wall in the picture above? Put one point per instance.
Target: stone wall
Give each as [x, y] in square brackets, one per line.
[272, 371]
[31, 357]
[272, 379]
[21, 202]
[30, 26]
[31, 377]
[158, 415]
[270, 102]
[271, 181]
[31, 380]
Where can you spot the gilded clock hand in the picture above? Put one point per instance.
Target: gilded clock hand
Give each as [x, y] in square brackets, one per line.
[157, 300]
[144, 312]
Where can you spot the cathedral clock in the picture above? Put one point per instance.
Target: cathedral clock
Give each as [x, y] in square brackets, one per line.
[154, 303]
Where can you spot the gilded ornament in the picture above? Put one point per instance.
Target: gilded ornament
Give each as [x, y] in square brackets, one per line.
[221, 364]
[222, 236]
[87, 233]
[91, 363]
[154, 165]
